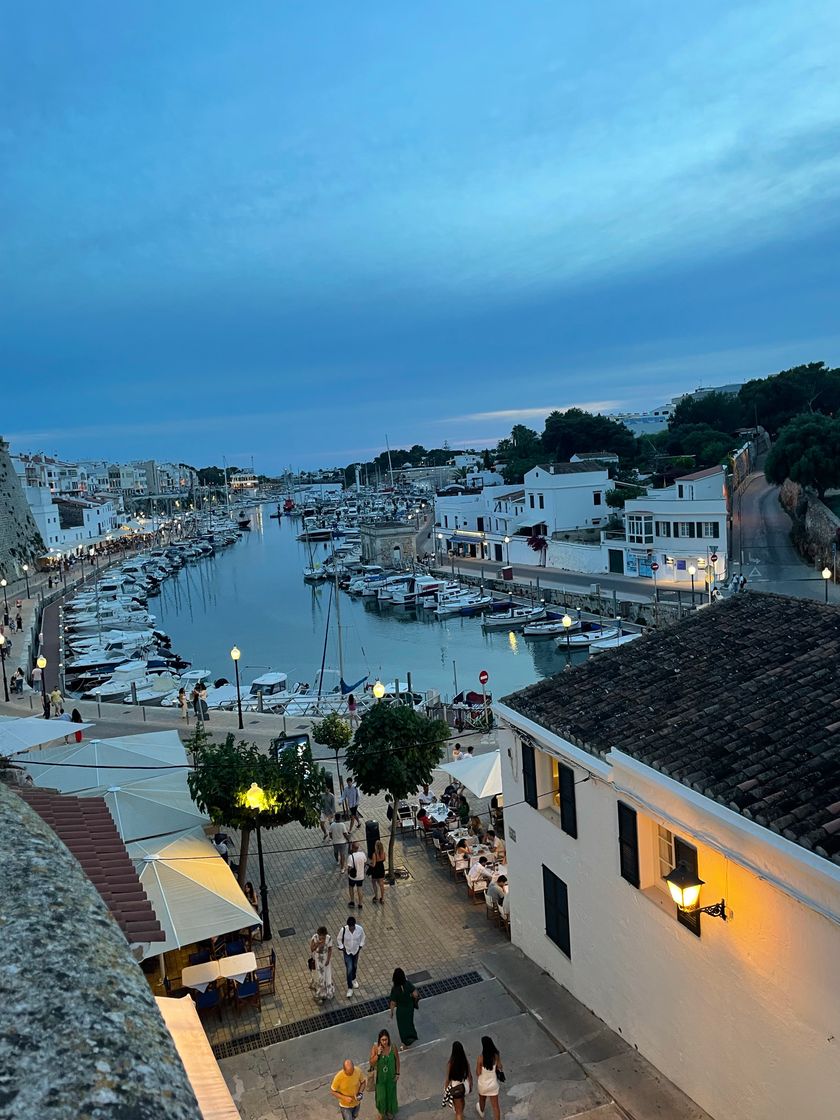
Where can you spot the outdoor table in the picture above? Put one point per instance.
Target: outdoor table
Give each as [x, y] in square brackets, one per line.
[200, 976]
[438, 812]
[237, 967]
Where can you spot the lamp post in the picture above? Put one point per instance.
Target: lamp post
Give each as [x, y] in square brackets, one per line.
[5, 600]
[26, 573]
[826, 574]
[507, 551]
[685, 886]
[378, 690]
[567, 630]
[692, 571]
[45, 700]
[235, 655]
[437, 550]
[255, 798]
[3, 662]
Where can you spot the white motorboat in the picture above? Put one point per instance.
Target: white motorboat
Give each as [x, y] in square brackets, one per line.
[121, 680]
[549, 629]
[418, 588]
[473, 601]
[585, 638]
[514, 619]
[386, 591]
[314, 574]
[612, 643]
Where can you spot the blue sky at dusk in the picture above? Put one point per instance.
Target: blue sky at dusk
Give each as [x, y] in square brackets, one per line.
[285, 230]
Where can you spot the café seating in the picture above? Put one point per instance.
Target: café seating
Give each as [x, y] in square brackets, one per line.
[476, 890]
[174, 993]
[491, 910]
[266, 973]
[460, 867]
[234, 948]
[211, 1000]
[246, 991]
[201, 957]
[405, 818]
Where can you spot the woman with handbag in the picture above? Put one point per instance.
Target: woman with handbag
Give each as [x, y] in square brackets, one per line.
[489, 1073]
[320, 965]
[377, 872]
[458, 1081]
[383, 1074]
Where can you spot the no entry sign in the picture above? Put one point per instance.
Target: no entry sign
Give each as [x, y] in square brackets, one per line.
[483, 677]
[654, 567]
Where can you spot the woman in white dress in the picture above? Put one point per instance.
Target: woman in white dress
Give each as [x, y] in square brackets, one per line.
[320, 951]
[487, 1070]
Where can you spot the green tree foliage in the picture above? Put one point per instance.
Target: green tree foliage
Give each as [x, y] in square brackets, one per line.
[333, 732]
[722, 412]
[773, 401]
[705, 445]
[223, 772]
[617, 497]
[575, 431]
[394, 751]
[521, 451]
[807, 451]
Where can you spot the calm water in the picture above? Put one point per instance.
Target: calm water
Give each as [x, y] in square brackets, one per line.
[252, 595]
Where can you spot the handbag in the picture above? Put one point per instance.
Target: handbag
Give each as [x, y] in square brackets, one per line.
[500, 1075]
[459, 1091]
[370, 1080]
[311, 964]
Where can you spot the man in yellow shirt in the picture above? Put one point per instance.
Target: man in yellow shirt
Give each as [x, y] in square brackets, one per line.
[347, 1087]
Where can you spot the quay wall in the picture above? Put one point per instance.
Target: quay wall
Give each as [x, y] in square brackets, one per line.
[20, 541]
[815, 526]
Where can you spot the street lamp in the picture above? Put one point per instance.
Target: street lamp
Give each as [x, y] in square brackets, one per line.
[256, 798]
[685, 886]
[26, 573]
[42, 665]
[235, 655]
[692, 571]
[5, 600]
[3, 662]
[826, 574]
[567, 630]
[507, 550]
[378, 689]
[437, 550]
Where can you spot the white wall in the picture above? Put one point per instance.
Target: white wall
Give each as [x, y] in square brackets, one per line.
[568, 499]
[746, 1018]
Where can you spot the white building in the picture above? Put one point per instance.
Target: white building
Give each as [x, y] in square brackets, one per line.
[54, 474]
[127, 479]
[680, 528]
[707, 745]
[478, 479]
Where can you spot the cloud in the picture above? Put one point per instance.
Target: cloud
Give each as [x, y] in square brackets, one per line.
[516, 415]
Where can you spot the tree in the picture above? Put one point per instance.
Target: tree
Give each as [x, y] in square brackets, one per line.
[807, 451]
[395, 751]
[723, 412]
[773, 401]
[539, 544]
[224, 772]
[617, 497]
[520, 452]
[575, 431]
[335, 733]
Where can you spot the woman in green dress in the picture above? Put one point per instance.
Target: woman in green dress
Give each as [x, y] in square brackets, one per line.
[385, 1060]
[403, 999]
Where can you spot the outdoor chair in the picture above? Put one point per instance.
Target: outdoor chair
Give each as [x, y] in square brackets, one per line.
[460, 867]
[265, 974]
[405, 819]
[174, 993]
[491, 910]
[211, 1000]
[439, 852]
[234, 948]
[219, 950]
[248, 991]
[201, 957]
[476, 891]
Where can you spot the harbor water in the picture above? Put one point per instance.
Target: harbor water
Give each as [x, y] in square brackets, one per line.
[253, 596]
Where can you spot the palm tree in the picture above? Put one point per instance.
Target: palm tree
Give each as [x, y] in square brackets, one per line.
[539, 544]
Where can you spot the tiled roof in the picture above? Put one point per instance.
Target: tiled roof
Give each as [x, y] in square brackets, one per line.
[706, 473]
[740, 702]
[87, 828]
[567, 468]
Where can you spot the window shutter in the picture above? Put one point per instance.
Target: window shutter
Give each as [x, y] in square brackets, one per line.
[556, 906]
[529, 774]
[628, 844]
[685, 853]
[568, 808]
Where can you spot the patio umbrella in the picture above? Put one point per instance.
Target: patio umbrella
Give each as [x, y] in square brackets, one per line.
[18, 735]
[192, 890]
[150, 806]
[100, 763]
[482, 774]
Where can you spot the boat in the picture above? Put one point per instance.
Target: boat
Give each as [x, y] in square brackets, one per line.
[417, 588]
[514, 619]
[549, 629]
[612, 643]
[466, 601]
[584, 638]
[244, 522]
[315, 573]
[477, 606]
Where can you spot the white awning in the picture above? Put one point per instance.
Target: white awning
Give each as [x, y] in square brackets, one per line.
[202, 1069]
[19, 735]
[482, 774]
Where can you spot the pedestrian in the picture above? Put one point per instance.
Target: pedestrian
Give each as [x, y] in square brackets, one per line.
[356, 863]
[19, 622]
[458, 1081]
[377, 872]
[488, 1074]
[36, 678]
[55, 700]
[183, 703]
[340, 837]
[385, 1065]
[351, 941]
[220, 844]
[348, 1088]
[17, 680]
[470, 751]
[76, 717]
[327, 811]
[457, 753]
[350, 801]
[66, 717]
[320, 964]
[404, 999]
[352, 712]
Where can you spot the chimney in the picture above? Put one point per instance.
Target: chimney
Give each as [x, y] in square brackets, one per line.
[551, 468]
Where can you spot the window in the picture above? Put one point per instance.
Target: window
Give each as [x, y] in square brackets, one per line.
[685, 853]
[542, 501]
[563, 795]
[529, 774]
[640, 528]
[628, 844]
[663, 528]
[685, 529]
[556, 902]
[596, 498]
[711, 530]
[446, 522]
[665, 851]
[680, 493]
[479, 524]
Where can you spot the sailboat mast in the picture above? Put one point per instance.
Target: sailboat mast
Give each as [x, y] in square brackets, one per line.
[338, 621]
[227, 490]
[390, 467]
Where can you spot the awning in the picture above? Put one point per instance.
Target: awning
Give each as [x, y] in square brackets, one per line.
[482, 774]
[18, 735]
[202, 1069]
[150, 806]
[100, 763]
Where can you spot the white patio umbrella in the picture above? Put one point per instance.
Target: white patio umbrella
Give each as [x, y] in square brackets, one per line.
[100, 763]
[150, 806]
[482, 774]
[19, 735]
[192, 890]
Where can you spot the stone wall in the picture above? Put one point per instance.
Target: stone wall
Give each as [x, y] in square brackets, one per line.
[20, 541]
[380, 541]
[815, 526]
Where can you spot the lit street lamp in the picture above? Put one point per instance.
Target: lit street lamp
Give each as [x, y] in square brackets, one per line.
[378, 689]
[507, 550]
[437, 550]
[26, 573]
[255, 798]
[567, 630]
[826, 574]
[5, 600]
[235, 655]
[3, 662]
[42, 665]
[692, 571]
[685, 886]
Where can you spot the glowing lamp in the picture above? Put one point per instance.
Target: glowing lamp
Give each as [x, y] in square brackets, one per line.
[826, 573]
[41, 662]
[255, 798]
[378, 689]
[692, 571]
[566, 622]
[685, 886]
[235, 654]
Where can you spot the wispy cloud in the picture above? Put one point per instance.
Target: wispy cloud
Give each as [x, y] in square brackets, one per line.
[515, 415]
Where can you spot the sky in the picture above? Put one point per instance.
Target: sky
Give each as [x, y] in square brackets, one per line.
[287, 231]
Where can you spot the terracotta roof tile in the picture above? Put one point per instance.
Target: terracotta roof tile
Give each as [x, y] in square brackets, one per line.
[733, 703]
[87, 828]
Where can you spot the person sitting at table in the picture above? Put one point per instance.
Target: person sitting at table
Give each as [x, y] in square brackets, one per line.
[479, 871]
[462, 848]
[457, 753]
[496, 891]
[490, 842]
[425, 798]
[475, 827]
[463, 811]
[450, 792]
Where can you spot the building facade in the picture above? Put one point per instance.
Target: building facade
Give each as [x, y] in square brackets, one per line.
[681, 750]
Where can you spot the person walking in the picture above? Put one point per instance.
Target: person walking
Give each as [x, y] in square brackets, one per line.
[19, 622]
[66, 717]
[377, 872]
[183, 703]
[488, 1072]
[55, 700]
[385, 1062]
[351, 941]
[458, 1081]
[350, 803]
[356, 863]
[76, 717]
[348, 1088]
[37, 677]
[340, 841]
[404, 999]
[352, 712]
[327, 811]
[320, 954]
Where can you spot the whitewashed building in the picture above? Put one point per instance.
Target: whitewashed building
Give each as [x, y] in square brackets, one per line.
[710, 750]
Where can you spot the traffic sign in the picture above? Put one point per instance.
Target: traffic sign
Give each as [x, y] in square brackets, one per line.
[483, 677]
[713, 558]
[654, 567]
